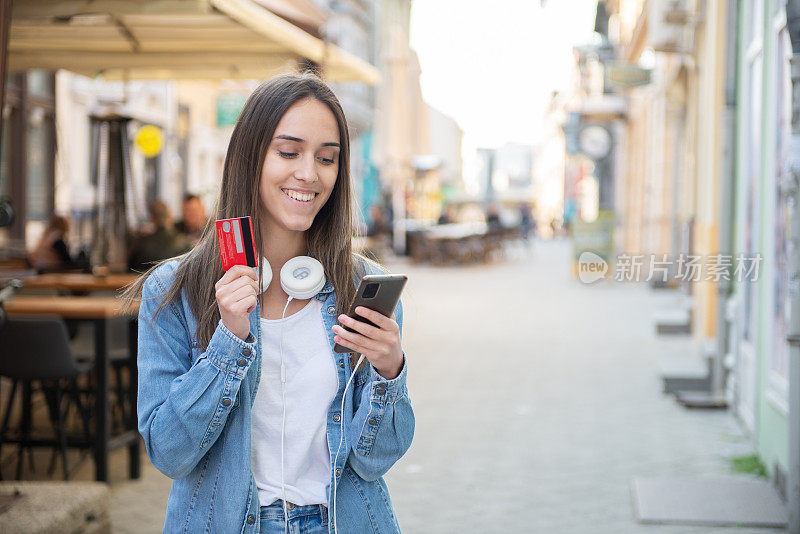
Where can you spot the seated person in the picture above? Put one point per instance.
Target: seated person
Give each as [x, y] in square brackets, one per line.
[162, 243]
[194, 218]
[379, 222]
[447, 216]
[493, 218]
[51, 254]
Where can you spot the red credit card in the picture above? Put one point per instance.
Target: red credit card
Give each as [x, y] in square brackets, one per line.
[237, 245]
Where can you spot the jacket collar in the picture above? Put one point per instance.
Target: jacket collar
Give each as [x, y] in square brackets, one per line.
[327, 288]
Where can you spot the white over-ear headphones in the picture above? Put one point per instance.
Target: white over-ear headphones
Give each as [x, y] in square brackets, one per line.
[302, 277]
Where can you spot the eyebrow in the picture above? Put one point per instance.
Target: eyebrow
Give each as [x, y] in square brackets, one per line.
[298, 140]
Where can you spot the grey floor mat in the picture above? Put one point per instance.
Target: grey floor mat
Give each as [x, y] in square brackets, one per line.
[707, 501]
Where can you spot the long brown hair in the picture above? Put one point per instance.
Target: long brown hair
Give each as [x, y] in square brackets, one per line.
[329, 239]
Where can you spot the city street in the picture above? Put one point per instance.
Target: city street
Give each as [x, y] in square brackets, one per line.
[536, 399]
[660, 137]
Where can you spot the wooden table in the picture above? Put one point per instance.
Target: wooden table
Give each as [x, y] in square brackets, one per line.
[99, 311]
[450, 243]
[79, 281]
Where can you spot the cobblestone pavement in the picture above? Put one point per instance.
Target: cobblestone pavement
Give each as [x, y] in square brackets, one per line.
[537, 399]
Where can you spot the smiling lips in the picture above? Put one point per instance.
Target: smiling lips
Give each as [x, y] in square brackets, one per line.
[297, 195]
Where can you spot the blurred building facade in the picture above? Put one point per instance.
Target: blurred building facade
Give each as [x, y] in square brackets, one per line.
[446, 139]
[761, 310]
[354, 26]
[417, 149]
[595, 136]
[707, 91]
[195, 113]
[549, 153]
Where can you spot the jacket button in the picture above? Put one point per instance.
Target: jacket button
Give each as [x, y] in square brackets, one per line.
[251, 519]
[331, 310]
[341, 363]
[380, 391]
[338, 471]
[245, 352]
[226, 401]
[337, 417]
[241, 362]
[373, 422]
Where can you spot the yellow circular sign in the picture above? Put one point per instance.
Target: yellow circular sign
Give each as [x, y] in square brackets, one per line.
[149, 140]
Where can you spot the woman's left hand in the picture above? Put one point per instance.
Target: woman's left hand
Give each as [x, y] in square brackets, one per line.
[381, 346]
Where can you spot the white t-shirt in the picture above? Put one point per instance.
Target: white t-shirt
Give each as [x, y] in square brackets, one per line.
[311, 385]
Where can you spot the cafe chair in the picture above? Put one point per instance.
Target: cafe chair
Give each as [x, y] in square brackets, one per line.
[118, 354]
[36, 350]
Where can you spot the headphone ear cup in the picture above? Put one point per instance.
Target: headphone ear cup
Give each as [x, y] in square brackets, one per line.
[266, 276]
[302, 277]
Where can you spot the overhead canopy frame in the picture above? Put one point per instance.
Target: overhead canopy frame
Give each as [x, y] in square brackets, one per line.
[171, 40]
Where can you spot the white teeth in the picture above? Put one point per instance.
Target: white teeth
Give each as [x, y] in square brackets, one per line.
[303, 197]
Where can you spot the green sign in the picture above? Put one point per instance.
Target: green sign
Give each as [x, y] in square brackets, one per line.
[596, 236]
[625, 74]
[228, 109]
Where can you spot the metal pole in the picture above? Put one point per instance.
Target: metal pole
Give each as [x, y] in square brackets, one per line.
[5, 29]
[792, 192]
[399, 180]
[726, 220]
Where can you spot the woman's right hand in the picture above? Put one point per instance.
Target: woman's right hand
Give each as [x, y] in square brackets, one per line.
[236, 294]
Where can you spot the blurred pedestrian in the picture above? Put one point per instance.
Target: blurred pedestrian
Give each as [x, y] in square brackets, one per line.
[526, 221]
[163, 242]
[51, 253]
[379, 222]
[555, 227]
[194, 218]
[493, 218]
[447, 216]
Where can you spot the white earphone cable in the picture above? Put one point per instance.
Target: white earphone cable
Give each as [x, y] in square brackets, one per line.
[341, 439]
[283, 421]
[308, 266]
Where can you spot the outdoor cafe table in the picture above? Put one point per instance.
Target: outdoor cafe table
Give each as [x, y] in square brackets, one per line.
[448, 242]
[456, 230]
[99, 311]
[79, 281]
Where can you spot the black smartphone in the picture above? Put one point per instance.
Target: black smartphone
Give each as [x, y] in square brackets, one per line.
[379, 292]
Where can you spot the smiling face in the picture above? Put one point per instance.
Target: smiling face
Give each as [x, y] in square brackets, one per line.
[300, 167]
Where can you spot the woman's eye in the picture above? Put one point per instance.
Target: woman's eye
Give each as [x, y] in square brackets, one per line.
[288, 154]
[327, 161]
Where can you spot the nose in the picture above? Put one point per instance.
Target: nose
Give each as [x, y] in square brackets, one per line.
[306, 169]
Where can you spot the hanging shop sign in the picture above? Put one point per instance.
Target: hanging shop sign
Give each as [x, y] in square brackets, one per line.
[228, 109]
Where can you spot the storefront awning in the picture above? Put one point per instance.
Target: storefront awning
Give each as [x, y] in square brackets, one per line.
[171, 40]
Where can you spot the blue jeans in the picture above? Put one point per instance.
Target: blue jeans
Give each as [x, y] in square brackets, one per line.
[310, 519]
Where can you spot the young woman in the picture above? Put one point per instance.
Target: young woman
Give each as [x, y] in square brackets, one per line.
[218, 356]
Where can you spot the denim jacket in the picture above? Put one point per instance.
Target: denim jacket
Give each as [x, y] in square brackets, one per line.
[194, 410]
